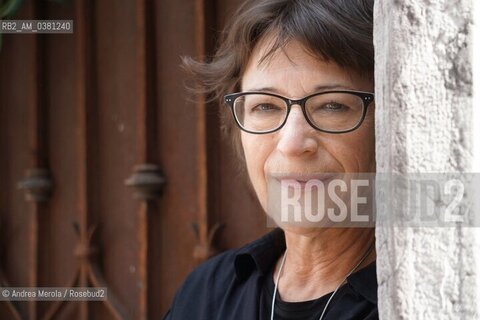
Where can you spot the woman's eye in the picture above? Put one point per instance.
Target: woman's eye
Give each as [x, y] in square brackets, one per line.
[265, 108]
[333, 106]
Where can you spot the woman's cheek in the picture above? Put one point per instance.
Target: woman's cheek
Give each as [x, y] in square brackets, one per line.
[256, 157]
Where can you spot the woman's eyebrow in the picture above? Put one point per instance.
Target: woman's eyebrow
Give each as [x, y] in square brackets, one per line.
[316, 89]
[267, 89]
[333, 87]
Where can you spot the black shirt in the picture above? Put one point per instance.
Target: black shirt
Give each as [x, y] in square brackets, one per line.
[238, 284]
[305, 310]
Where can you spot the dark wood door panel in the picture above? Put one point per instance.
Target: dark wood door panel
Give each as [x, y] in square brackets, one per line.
[92, 110]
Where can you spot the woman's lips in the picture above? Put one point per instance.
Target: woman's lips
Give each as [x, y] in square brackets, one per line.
[304, 177]
[300, 180]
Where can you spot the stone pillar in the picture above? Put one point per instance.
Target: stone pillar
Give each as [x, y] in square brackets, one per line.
[425, 123]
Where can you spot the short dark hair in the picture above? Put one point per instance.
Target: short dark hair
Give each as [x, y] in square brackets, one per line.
[340, 31]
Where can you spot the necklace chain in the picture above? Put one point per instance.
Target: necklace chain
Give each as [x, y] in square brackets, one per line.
[365, 255]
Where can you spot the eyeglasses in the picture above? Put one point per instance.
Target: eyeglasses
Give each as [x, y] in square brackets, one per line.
[330, 111]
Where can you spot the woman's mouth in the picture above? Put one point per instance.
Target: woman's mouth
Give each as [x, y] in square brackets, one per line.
[303, 180]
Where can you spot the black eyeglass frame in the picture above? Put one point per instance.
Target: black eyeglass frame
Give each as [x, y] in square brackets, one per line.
[367, 99]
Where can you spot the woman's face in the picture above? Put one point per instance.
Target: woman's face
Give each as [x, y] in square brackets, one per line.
[297, 148]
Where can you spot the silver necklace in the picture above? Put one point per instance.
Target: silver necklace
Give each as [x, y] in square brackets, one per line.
[365, 255]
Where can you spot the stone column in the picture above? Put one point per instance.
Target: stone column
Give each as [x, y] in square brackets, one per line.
[425, 123]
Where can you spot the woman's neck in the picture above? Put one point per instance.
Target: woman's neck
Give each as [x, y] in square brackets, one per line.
[319, 260]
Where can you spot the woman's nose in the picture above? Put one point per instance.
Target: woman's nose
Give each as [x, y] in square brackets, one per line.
[297, 137]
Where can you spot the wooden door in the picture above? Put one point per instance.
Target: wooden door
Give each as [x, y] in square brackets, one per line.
[111, 174]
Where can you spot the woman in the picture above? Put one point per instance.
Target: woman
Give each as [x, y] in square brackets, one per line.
[302, 73]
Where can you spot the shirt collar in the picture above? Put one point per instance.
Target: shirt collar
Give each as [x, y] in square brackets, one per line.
[261, 254]
[364, 282]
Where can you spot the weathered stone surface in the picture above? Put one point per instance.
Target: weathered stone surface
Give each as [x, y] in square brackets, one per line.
[424, 123]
